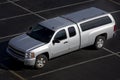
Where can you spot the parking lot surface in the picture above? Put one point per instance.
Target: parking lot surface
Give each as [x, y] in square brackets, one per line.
[16, 16]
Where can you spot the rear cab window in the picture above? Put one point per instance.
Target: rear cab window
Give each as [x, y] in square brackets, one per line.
[71, 31]
[95, 23]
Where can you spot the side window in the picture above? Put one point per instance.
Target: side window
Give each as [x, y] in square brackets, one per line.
[71, 31]
[95, 23]
[61, 35]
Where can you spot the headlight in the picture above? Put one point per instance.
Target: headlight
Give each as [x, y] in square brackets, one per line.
[30, 55]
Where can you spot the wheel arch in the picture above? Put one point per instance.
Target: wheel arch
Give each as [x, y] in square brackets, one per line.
[45, 53]
[103, 34]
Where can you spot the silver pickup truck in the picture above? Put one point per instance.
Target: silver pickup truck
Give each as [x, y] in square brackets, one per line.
[61, 35]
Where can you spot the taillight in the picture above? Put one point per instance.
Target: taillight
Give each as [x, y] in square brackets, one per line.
[115, 28]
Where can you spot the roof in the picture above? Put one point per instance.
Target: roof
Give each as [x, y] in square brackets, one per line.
[69, 19]
[84, 14]
[56, 23]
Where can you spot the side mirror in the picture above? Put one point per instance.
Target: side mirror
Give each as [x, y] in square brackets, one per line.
[56, 41]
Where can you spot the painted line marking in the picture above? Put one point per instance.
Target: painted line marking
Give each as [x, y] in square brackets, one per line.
[31, 14]
[115, 2]
[46, 10]
[112, 12]
[69, 5]
[70, 66]
[11, 35]
[118, 52]
[14, 73]
[63, 67]
[53, 9]
[7, 2]
[111, 52]
[4, 2]
[39, 12]
[15, 16]
[26, 9]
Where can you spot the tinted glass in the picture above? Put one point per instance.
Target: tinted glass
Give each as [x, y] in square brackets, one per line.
[41, 33]
[61, 35]
[71, 31]
[95, 23]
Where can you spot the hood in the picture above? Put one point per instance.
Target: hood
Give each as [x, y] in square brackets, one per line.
[25, 43]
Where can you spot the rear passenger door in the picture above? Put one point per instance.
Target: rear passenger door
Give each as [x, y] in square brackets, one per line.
[74, 38]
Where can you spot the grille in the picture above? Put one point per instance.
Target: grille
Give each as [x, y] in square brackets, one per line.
[16, 52]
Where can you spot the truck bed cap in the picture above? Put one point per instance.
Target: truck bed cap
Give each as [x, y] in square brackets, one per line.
[69, 19]
[84, 14]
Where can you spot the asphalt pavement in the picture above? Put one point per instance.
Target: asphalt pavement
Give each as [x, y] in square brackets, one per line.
[16, 16]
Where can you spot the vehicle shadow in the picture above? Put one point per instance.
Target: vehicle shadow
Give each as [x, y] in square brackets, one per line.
[117, 35]
[89, 48]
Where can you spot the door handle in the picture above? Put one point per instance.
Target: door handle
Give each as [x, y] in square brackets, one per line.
[65, 42]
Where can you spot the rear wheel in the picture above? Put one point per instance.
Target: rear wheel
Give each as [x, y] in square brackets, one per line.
[41, 61]
[99, 42]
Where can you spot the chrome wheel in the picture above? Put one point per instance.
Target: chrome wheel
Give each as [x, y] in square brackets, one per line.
[100, 43]
[41, 61]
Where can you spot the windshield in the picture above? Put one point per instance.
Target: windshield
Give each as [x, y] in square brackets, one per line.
[41, 33]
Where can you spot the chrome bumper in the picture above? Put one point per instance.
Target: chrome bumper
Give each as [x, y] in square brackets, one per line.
[29, 62]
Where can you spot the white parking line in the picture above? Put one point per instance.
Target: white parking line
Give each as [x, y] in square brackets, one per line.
[14, 73]
[114, 12]
[54, 9]
[118, 52]
[4, 2]
[15, 16]
[70, 66]
[74, 4]
[39, 12]
[47, 10]
[26, 9]
[115, 2]
[11, 35]
[30, 14]
[7, 2]
[111, 52]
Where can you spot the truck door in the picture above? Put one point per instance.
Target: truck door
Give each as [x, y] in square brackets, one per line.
[74, 38]
[59, 43]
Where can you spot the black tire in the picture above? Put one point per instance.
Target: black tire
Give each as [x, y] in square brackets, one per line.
[99, 42]
[41, 61]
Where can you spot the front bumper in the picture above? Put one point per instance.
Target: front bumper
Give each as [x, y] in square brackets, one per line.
[29, 62]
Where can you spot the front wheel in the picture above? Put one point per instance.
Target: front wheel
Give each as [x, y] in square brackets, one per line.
[41, 61]
[99, 42]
